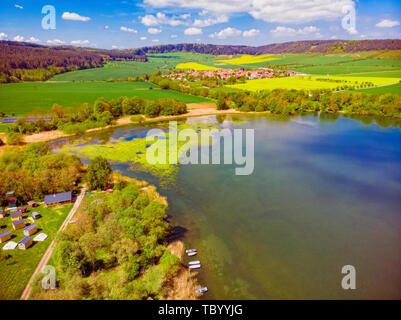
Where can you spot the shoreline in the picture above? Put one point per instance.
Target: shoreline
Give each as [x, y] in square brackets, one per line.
[194, 110]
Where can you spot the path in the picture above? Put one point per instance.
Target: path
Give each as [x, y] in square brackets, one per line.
[49, 251]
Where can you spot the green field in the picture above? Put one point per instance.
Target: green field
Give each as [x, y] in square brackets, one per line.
[21, 98]
[308, 83]
[124, 69]
[16, 271]
[394, 89]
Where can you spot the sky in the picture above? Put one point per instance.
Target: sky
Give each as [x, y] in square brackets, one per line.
[124, 24]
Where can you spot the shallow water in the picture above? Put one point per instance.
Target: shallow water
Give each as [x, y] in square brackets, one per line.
[324, 193]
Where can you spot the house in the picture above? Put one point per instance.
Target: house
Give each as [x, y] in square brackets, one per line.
[4, 236]
[32, 204]
[58, 198]
[35, 215]
[25, 243]
[30, 230]
[19, 224]
[15, 216]
[22, 209]
[2, 214]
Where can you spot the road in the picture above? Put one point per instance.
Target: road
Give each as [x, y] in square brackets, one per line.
[49, 251]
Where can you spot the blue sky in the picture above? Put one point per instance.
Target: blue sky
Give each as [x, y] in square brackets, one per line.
[132, 24]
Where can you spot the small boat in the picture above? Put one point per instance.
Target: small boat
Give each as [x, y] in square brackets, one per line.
[201, 290]
[194, 262]
[192, 253]
[190, 250]
[194, 266]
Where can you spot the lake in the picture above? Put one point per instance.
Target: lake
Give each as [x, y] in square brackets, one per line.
[325, 193]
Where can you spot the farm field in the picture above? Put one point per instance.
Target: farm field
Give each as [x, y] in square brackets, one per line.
[307, 83]
[195, 66]
[394, 89]
[383, 74]
[21, 98]
[124, 69]
[368, 65]
[16, 271]
[250, 59]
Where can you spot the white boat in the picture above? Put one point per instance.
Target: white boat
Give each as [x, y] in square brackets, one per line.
[192, 253]
[194, 262]
[201, 290]
[190, 250]
[194, 266]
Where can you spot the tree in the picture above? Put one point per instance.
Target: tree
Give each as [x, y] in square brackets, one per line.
[89, 243]
[99, 174]
[14, 138]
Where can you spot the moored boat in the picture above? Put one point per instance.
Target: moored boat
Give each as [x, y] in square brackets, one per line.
[194, 262]
[201, 290]
[194, 266]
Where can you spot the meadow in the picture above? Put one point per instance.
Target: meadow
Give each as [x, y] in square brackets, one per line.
[394, 89]
[17, 269]
[21, 98]
[308, 83]
[124, 69]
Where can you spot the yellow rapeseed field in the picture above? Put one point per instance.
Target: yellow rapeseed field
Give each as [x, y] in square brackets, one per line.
[248, 59]
[310, 83]
[195, 66]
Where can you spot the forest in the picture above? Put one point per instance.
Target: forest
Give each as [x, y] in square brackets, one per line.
[117, 248]
[31, 62]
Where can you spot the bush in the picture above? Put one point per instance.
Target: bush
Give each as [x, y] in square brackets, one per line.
[14, 138]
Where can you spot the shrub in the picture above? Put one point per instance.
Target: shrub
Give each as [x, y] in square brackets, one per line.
[14, 138]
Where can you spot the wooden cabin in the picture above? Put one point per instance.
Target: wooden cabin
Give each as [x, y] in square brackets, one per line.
[4, 236]
[19, 224]
[35, 215]
[58, 198]
[2, 214]
[25, 243]
[15, 216]
[11, 199]
[22, 209]
[32, 204]
[30, 230]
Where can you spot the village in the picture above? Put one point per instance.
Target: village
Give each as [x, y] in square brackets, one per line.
[20, 220]
[225, 74]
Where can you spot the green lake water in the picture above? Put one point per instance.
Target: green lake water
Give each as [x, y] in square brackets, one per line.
[325, 192]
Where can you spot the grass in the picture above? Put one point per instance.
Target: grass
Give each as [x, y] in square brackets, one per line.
[367, 65]
[394, 89]
[195, 66]
[124, 69]
[21, 98]
[307, 83]
[16, 271]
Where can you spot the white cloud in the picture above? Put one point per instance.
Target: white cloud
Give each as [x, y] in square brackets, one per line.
[106, 27]
[74, 16]
[125, 29]
[281, 31]
[114, 47]
[352, 31]
[154, 30]
[3, 36]
[333, 37]
[225, 33]
[55, 41]
[173, 36]
[192, 31]
[185, 16]
[18, 38]
[143, 38]
[32, 39]
[388, 23]
[79, 42]
[251, 33]
[155, 40]
[18, 6]
[160, 18]
[280, 11]
[210, 21]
